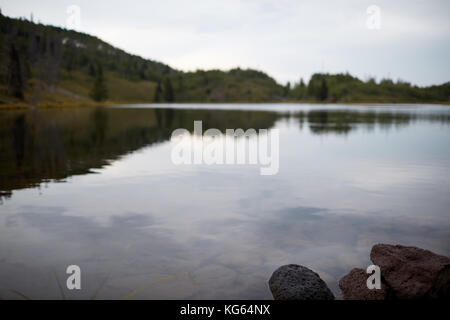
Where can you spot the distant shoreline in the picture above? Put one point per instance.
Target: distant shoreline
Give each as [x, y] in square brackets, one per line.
[21, 106]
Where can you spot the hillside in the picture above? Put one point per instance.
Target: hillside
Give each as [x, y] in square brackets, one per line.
[42, 64]
[346, 88]
[58, 65]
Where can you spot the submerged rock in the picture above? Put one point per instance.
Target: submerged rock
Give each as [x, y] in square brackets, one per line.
[354, 287]
[411, 272]
[295, 282]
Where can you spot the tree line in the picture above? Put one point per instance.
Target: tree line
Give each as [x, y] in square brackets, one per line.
[37, 60]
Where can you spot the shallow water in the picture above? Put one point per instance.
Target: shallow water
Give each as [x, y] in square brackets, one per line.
[97, 188]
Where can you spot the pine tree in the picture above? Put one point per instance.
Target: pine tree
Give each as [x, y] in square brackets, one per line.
[300, 89]
[302, 83]
[168, 90]
[323, 92]
[15, 80]
[287, 89]
[158, 93]
[91, 70]
[99, 91]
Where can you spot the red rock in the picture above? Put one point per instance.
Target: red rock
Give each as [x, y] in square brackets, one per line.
[354, 287]
[411, 272]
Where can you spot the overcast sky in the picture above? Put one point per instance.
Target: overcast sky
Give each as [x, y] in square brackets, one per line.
[288, 39]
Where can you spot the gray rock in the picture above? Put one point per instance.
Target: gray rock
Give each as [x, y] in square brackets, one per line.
[294, 282]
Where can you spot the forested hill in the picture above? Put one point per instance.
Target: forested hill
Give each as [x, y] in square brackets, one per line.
[49, 65]
[45, 63]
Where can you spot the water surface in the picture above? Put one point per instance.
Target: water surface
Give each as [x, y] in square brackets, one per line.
[96, 187]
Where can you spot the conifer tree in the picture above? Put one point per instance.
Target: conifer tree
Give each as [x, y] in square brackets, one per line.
[168, 90]
[287, 89]
[323, 92]
[99, 92]
[15, 80]
[158, 93]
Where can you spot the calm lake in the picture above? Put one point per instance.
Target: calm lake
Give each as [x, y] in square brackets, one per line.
[96, 187]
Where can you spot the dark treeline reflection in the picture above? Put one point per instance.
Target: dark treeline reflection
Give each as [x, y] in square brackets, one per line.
[38, 146]
[42, 145]
[343, 121]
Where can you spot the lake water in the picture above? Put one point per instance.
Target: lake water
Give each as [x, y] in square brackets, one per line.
[96, 187]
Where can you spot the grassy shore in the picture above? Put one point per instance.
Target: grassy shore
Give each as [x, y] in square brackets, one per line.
[73, 90]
